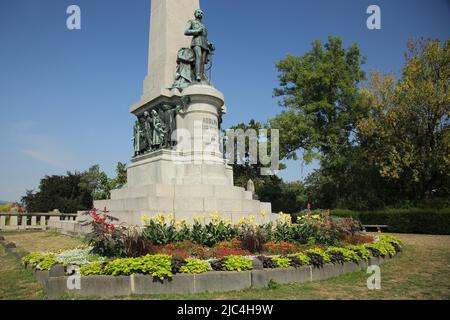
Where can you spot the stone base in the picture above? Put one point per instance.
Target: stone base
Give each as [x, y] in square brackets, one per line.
[129, 205]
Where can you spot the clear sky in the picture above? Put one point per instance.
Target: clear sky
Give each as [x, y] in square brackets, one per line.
[64, 95]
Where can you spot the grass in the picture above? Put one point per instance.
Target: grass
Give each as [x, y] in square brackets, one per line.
[15, 282]
[422, 272]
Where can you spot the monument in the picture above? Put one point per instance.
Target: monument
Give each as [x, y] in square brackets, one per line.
[178, 166]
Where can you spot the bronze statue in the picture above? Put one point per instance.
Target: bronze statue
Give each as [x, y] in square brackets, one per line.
[200, 45]
[159, 131]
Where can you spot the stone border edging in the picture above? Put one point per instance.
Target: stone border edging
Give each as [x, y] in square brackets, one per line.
[55, 282]
[213, 282]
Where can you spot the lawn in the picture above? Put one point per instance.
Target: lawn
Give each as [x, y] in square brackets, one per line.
[422, 271]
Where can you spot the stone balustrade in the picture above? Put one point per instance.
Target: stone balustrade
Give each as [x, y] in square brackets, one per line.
[31, 221]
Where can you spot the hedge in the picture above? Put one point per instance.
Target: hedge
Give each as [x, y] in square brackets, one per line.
[419, 221]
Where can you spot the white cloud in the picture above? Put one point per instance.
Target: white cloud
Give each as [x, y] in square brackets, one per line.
[46, 157]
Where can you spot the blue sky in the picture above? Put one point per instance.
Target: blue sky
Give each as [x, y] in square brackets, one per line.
[64, 95]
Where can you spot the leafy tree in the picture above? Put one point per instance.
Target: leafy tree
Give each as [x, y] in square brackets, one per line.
[98, 183]
[406, 134]
[59, 192]
[321, 95]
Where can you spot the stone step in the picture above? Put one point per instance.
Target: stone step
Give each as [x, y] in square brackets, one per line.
[197, 205]
[180, 191]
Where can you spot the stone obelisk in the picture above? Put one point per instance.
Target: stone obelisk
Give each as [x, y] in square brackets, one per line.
[167, 22]
[188, 175]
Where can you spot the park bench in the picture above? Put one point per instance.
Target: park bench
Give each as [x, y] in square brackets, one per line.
[378, 227]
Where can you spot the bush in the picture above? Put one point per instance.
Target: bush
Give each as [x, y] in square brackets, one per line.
[362, 252]
[47, 263]
[282, 262]
[105, 238]
[93, 269]
[195, 266]
[252, 237]
[282, 248]
[300, 259]
[418, 221]
[222, 253]
[158, 266]
[318, 257]
[341, 255]
[267, 262]
[33, 259]
[135, 244]
[237, 263]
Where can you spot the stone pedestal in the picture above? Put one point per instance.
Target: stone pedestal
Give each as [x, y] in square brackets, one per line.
[193, 179]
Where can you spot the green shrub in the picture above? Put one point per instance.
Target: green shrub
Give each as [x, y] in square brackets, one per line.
[93, 269]
[346, 254]
[195, 266]
[33, 259]
[381, 249]
[282, 262]
[418, 221]
[362, 252]
[318, 257]
[47, 263]
[237, 263]
[158, 266]
[303, 258]
[160, 233]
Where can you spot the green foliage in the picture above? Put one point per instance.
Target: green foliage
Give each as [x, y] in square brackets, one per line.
[381, 249]
[161, 233]
[59, 192]
[407, 131]
[6, 207]
[282, 262]
[47, 263]
[212, 233]
[195, 266]
[320, 91]
[362, 252]
[318, 257]
[158, 266]
[347, 254]
[33, 258]
[237, 263]
[303, 258]
[93, 269]
[417, 221]
[105, 238]
[98, 183]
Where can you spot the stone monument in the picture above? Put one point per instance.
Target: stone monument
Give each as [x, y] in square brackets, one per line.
[178, 166]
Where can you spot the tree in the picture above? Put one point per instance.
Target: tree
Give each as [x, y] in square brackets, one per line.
[59, 192]
[98, 183]
[321, 95]
[406, 134]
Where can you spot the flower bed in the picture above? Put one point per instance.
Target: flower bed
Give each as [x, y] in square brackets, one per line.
[166, 248]
[163, 266]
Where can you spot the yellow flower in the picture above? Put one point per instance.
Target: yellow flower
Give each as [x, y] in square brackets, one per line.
[215, 217]
[145, 218]
[252, 219]
[299, 219]
[263, 214]
[197, 219]
[242, 221]
[171, 218]
[161, 218]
